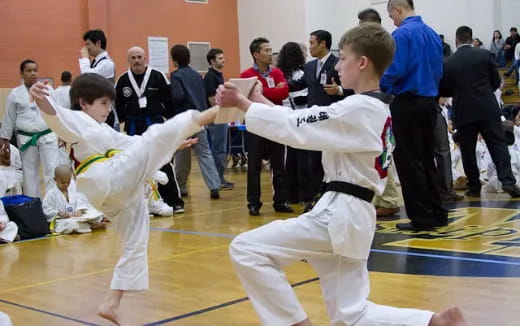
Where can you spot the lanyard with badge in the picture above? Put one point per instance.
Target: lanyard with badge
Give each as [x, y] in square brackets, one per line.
[139, 91]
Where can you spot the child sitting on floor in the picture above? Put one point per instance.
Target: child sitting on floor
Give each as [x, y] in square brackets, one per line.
[68, 210]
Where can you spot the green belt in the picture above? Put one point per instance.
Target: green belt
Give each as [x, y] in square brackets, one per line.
[34, 137]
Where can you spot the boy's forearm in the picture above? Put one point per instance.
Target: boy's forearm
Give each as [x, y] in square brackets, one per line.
[45, 106]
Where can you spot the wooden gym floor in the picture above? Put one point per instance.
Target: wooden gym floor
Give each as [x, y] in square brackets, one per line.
[473, 263]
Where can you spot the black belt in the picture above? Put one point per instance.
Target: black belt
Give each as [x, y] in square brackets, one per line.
[349, 189]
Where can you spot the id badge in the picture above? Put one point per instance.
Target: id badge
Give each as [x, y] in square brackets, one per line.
[323, 78]
[143, 102]
[270, 82]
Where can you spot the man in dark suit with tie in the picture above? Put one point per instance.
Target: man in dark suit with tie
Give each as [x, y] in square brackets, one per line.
[322, 81]
[471, 78]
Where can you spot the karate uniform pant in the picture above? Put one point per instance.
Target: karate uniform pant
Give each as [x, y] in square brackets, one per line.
[5, 320]
[260, 254]
[9, 233]
[182, 164]
[47, 153]
[126, 173]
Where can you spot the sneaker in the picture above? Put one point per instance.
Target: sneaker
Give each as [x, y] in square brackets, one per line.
[227, 186]
[160, 208]
[178, 209]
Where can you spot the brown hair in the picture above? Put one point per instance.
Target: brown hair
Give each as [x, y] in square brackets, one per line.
[372, 41]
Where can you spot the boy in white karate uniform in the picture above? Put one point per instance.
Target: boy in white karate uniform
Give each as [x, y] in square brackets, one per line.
[114, 169]
[11, 169]
[37, 143]
[8, 229]
[335, 236]
[68, 210]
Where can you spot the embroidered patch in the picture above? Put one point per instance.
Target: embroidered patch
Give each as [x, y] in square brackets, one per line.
[127, 91]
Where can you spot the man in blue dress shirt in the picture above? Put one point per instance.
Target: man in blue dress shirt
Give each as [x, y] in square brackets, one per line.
[413, 78]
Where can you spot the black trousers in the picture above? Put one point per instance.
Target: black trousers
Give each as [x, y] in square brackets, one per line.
[492, 132]
[169, 192]
[414, 119]
[305, 174]
[442, 154]
[259, 148]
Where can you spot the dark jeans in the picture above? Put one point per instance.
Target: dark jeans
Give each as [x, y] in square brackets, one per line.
[258, 149]
[492, 132]
[414, 119]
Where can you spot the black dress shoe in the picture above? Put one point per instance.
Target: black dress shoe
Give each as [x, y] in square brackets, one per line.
[410, 227]
[512, 190]
[254, 210]
[283, 208]
[441, 224]
[472, 193]
[214, 194]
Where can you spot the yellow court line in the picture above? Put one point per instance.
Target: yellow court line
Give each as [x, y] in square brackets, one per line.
[109, 269]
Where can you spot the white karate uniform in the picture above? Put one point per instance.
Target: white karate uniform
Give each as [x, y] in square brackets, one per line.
[11, 230]
[102, 65]
[12, 176]
[62, 96]
[21, 114]
[5, 320]
[116, 186]
[493, 184]
[335, 237]
[55, 202]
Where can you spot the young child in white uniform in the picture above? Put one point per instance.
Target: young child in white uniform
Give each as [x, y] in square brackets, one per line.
[114, 169]
[66, 209]
[335, 236]
[10, 170]
[8, 229]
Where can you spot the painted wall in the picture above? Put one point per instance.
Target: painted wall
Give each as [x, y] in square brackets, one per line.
[280, 21]
[50, 32]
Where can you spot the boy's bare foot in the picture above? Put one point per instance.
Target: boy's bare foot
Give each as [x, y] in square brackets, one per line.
[110, 313]
[110, 308]
[448, 317]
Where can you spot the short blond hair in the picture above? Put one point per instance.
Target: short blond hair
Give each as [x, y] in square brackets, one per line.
[372, 41]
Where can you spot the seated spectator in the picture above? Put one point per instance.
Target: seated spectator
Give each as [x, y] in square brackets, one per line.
[477, 43]
[492, 183]
[68, 210]
[8, 229]
[497, 48]
[10, 170]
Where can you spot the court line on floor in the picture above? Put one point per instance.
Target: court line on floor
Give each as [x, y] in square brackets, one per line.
[151, 261]
[216, 307]
[391, 252]
[47, 312]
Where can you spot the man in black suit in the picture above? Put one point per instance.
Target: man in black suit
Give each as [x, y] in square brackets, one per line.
[471, 78]
[322, 81]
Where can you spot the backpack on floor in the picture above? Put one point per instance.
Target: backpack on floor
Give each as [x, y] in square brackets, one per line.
[27, 213]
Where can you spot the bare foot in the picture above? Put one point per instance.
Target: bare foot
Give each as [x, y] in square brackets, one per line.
[448, 317]
[111, 313]
[98, 226]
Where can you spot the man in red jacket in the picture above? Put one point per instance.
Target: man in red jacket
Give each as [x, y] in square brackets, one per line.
[276, 90]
